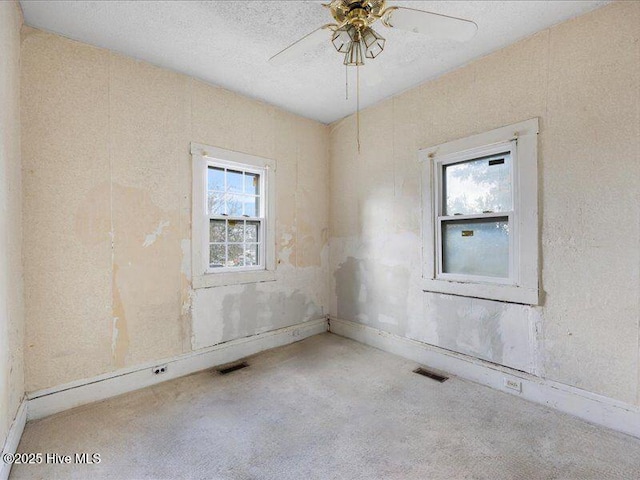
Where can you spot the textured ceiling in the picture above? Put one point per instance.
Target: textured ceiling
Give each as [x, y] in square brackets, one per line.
[228, 43]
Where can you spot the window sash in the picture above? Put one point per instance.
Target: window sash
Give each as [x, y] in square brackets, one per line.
[458, 277]
[511, 215]
[261, 244]
[502, 154]
[261, 218]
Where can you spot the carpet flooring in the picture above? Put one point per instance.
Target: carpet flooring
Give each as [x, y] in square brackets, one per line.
[325, 408]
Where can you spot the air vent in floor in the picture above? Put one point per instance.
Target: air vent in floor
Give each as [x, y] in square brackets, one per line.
[233, 368]
[433, 375]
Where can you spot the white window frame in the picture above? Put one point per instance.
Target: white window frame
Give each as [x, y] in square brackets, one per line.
[521, 140]
[203, 275]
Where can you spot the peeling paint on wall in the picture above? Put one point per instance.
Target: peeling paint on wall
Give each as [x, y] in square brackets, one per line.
[119, 334]
[149, 274]
[153, 236]
[287, 251]
[186, 296]
[112, 267]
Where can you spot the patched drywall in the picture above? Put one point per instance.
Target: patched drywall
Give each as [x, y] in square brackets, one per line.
[107, 212]
[373, 293]
[11, 293]
[581, 79]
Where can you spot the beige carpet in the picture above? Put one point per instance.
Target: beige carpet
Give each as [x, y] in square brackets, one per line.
[326, 408]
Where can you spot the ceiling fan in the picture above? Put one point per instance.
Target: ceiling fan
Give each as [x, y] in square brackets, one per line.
[353, 36]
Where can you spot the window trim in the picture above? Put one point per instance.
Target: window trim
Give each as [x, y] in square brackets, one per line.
[202, 275]
[522, 286]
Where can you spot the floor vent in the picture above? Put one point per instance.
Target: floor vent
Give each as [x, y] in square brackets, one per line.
[233, 368]
[433, 375]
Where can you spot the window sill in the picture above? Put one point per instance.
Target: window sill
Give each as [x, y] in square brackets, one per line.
[502, 293]
[233, 278]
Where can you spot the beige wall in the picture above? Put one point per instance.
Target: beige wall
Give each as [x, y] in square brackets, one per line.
[582, 79]
[105, 148]
[11, 294]
[105, 143]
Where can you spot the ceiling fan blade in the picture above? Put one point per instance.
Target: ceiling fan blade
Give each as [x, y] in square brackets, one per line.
[299, 46]
[427, 23]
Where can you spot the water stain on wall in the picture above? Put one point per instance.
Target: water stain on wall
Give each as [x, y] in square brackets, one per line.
[373, 294]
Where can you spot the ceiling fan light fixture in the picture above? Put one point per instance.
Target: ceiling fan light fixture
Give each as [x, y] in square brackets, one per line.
[354, 57]
[373, 43]
[343, 37]
[353, 36]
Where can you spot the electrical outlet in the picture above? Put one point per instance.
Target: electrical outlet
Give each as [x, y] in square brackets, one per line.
[159, 369]
[513, 384]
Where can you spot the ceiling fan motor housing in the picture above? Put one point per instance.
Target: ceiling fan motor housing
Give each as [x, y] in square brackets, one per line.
[359, 13]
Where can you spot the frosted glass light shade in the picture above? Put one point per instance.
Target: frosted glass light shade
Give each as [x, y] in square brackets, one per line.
[354, 56]
[374, 43]
[343, 37]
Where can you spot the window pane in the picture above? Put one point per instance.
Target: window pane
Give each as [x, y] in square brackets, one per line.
[236, 257]
[252, 183]
[250, 205]
[234, 181]
[476, 247]
[476, 186]
[215, 202]
[235, 231]
[216, 256]
[251, 254]
[251, 231]
[215, 179]
[234, 205]
[216, 231]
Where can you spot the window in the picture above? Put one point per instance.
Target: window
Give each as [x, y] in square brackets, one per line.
[480, 225]
[475, 215]
[233, 238]
[236, 217]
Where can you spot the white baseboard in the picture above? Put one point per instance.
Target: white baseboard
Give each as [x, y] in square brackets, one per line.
[13, 438]
[63, 397]
[591, 407]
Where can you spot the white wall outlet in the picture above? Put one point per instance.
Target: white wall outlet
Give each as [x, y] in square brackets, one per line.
[513, 384]
[159, 369]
